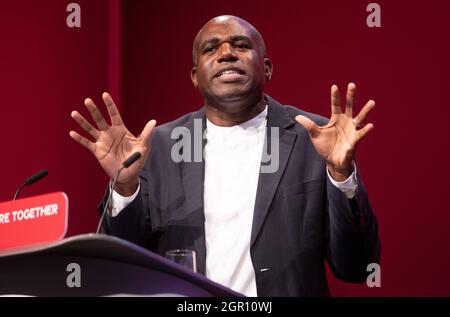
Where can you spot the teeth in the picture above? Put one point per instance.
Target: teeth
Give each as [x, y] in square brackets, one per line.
[228, 72]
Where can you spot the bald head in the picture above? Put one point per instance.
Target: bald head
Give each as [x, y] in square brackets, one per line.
[224, 19]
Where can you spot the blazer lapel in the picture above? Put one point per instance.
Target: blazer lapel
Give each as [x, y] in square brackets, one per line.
[277, 117]
[192, 174]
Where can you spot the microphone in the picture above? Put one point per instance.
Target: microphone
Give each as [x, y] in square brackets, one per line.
[127, 163]
[31, 180]
[133, 158]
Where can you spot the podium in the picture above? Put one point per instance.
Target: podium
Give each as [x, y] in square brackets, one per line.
[108, 266]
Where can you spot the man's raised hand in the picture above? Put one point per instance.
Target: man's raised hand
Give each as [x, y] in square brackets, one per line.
[113, 144]
[337, 141]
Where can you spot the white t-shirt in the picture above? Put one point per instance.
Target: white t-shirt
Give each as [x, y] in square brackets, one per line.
[232, 163]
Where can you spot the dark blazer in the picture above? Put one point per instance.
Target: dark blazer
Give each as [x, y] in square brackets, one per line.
[300, 217]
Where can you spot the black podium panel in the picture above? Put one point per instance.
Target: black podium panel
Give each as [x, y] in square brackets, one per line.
[108, 266]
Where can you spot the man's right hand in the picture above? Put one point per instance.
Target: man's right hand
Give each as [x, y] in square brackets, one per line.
[114, 144]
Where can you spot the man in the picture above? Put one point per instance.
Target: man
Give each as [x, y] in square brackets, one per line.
[259, 233]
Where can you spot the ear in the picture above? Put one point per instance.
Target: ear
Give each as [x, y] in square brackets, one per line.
[268, 68]
[194, 76]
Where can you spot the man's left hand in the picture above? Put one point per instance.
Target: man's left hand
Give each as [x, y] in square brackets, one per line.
[337, 141]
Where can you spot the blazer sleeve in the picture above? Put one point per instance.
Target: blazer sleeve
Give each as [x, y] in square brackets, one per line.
[351, 234]
[133, 223]
[129, 224]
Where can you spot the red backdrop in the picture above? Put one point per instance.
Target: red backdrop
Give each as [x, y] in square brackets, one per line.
[141, 52]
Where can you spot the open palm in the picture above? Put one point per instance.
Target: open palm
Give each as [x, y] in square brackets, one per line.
[337, 141]
[113, 144]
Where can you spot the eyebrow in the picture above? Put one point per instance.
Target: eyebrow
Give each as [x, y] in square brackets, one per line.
[234, 38]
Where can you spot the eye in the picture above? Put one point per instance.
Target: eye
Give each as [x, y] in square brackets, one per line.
[209, 49]
[241, 46]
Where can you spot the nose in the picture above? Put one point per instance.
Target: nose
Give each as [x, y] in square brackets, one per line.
[227, 53]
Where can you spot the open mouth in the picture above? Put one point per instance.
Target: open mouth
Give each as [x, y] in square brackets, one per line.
[230, 74]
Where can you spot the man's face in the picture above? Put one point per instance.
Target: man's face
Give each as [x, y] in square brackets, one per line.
[230, 64]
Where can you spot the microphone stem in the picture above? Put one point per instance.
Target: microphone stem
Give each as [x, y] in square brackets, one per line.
[106, 207]
[18, 191]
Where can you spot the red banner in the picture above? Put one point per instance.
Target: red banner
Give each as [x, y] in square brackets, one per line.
[35, 220]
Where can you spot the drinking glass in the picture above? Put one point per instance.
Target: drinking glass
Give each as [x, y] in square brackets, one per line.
[183, 257]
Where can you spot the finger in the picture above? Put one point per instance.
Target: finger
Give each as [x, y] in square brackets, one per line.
[361, 134]
[335, 102]
[96, 114]
[362, 115]
[147, 133]
[83, 141]
[85, 124]
[114, 114]
[350, 100]
[308, 124]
